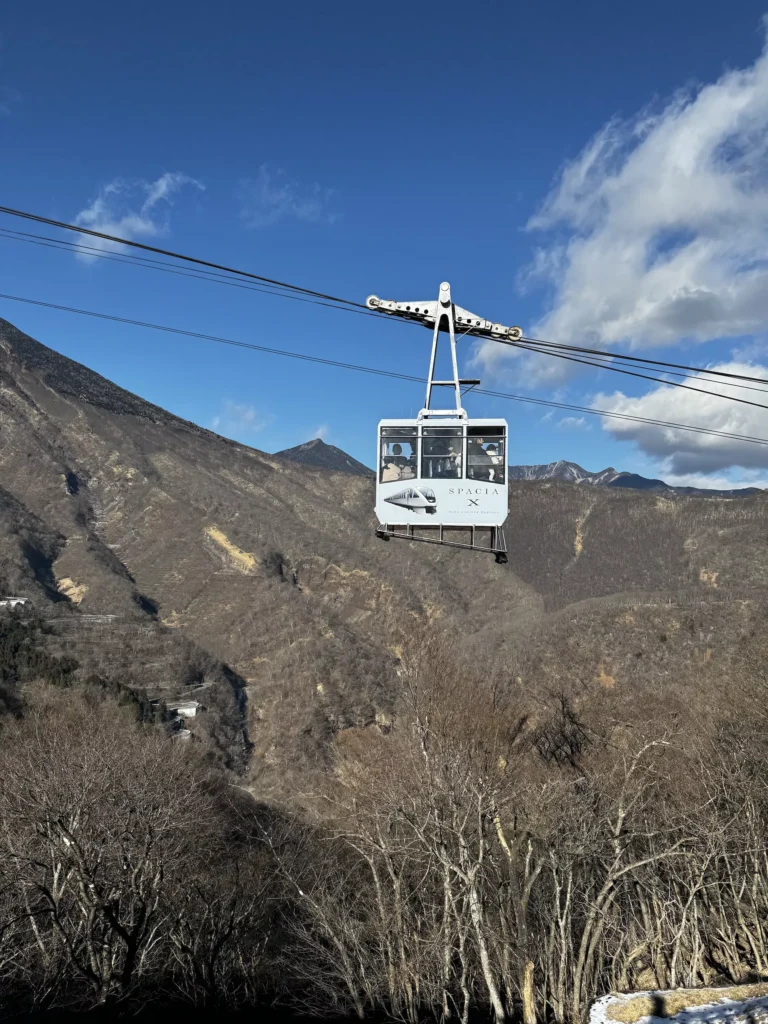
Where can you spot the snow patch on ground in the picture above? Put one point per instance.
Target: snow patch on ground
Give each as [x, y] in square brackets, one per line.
[725, 1010]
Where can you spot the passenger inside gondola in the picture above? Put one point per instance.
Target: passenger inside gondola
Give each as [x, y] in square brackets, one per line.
[441, 458]
[479, 462]
[395, 465]
[397, 455]
[495, 457]
[485, 459]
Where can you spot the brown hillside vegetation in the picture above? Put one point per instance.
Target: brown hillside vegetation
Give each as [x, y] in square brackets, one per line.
[115, 507]
[462, 858]
[504, 789]
[208, 553]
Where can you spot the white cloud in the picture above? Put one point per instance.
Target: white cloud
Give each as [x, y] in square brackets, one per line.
[684, 452]
[573, 423]
[239, 419]
[321, 433]
[717, 481]
[658, 230]
[271, 197]
[131, 209]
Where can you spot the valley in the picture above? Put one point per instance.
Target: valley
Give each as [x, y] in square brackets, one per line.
[261, 576]
[344, 741]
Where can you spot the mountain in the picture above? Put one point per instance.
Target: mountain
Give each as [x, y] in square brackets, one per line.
[174, 560]
[644, 483]
[326, 456]
[570, 472]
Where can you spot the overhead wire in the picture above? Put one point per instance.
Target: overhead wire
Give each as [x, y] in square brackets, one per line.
[642, 359]
[79, 229]
[133, 259]
[617, 361]
[290, 290]
[644, 376]
[210, 337]
[604, 362]
[222, 274]
[389, 373]
[141, 261]
[632, 417]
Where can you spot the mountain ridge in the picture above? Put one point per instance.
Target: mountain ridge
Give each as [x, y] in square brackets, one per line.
[572, 472]
[317, 452]
[167, 557]
[569, 472]
[322, 455]
[177, 556]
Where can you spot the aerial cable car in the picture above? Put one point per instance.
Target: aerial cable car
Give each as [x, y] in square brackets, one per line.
[442, 478]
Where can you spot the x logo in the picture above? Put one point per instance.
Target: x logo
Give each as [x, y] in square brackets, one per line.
[473, 501]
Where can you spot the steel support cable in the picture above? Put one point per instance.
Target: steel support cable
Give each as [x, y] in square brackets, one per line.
[549, 403]
[632, 417]
[212, 337]
[348, 303]
[641, 359]
[168, 268]
[644, 376]
[485, 335]
[216, 278]
[133, 259]
[541, 345]
[11, 212]
[606, 363]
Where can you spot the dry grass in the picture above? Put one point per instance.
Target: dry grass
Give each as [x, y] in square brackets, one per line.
[672, 1003]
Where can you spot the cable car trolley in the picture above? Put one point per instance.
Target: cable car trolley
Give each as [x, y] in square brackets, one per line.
[442, 478]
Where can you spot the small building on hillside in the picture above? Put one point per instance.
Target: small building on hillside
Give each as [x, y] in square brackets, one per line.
[13, 602]
[185, 708]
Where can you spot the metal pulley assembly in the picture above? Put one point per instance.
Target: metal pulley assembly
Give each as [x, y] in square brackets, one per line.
[441, 478]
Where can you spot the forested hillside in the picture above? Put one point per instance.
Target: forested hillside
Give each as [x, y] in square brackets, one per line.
[410, 782]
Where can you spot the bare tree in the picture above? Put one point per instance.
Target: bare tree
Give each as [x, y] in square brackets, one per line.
[96, 813]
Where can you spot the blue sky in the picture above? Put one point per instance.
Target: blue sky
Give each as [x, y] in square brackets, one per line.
[594, 172]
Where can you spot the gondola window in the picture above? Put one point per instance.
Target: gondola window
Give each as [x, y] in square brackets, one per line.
[486, 454]
[398, 458]
[442, 453]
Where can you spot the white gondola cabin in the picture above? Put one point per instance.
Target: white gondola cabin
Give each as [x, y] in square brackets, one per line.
[454, 472]
[443, 476]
